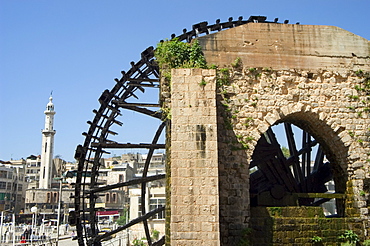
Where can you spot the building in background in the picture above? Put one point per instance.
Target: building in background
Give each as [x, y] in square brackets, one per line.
[43, 182]
[155, 198]
[12, 186]
[44, 175]
[33, 164]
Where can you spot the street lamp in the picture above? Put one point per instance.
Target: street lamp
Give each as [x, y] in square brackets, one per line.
[43, 219]
[1, 226]
[59, 206]
[33, 211]
[5, 202]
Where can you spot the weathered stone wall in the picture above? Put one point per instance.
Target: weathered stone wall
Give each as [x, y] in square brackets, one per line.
[288, 46]
[209, 188]
[298, 226]
[319, 102]
[194, 158]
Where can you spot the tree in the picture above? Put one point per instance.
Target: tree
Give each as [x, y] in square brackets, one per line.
[122, 220]
[155, 234]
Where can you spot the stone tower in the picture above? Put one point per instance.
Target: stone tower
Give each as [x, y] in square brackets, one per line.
[295, 74]
[47, 147]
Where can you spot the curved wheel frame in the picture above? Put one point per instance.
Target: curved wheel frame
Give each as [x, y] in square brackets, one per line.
[144, 73]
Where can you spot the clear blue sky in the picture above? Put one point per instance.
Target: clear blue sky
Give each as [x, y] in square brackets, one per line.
[76, 48]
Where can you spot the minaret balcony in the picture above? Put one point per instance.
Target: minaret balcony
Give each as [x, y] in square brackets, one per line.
[49, 112]
[48, 132]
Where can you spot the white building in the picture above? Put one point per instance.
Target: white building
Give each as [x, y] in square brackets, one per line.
[157, 163]
[131, 159]
[33, 164]
[12, 187]
[155, 198]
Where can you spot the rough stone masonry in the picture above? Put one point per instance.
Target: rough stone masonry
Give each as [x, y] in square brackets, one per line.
[302, 74]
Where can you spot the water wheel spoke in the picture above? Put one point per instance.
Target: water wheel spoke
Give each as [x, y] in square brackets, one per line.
[319, 160]
[298, 174]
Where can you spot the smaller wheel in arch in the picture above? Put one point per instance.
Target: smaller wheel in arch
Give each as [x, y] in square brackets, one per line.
[290, 168]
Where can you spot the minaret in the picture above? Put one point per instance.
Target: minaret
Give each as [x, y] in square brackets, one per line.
[47, 147]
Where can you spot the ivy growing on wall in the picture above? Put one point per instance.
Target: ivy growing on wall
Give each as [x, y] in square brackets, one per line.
[363, 88]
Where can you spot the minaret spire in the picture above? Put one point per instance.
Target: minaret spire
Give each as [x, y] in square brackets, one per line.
[47, 146]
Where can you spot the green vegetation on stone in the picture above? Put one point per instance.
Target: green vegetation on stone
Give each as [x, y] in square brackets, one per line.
[349, 236]
[366, 243]
[275, 211]
[203, 83]
[236, 63]
[363, 89]
[176, 54]
[223, 76]
[316, 239]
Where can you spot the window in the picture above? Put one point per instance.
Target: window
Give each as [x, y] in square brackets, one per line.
[55, 197]
[107, 198]
[3, 174]
[139, 207]
[120, 178]
[114, 197]
[2, 185]
[20, 187]
[9, 186]
[48, 197]
[157, 203]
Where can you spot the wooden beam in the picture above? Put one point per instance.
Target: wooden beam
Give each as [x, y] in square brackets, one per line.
[128, 145]
[143, 79]
[131, 223]
[155, 114]
[143, 85]
[298, 175]
[128, 183]
[321, 195]
[124, 105]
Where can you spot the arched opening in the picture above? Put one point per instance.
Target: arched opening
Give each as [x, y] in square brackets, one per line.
[290, 167]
